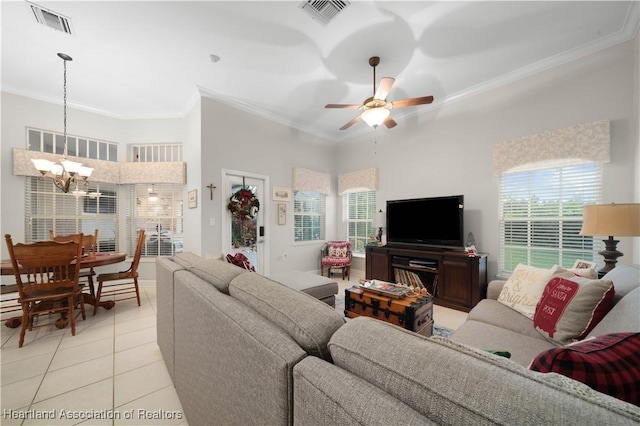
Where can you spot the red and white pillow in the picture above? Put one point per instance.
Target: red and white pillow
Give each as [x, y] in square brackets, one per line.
[570, 306]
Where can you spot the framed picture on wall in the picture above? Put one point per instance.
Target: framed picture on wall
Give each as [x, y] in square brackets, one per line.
[282, 214]
[193, 199]
[281, 194]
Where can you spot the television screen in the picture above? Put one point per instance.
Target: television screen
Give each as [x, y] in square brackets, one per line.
[436, 221]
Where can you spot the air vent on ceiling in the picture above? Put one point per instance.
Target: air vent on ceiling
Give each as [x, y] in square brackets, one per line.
[323, 11]
[51, 19]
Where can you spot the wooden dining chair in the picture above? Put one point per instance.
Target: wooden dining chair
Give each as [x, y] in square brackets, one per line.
[125, 282]
[89, 247]
[47, 278]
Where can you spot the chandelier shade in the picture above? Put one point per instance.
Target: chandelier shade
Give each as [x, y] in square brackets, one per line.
[375, 116]
[65, 172]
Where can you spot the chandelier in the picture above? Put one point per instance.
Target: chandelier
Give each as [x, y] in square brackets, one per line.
[65, 172]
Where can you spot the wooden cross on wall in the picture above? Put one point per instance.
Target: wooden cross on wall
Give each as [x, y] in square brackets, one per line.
[211, 188]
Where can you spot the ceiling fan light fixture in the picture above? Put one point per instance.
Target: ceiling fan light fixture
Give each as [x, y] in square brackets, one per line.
[375, 116]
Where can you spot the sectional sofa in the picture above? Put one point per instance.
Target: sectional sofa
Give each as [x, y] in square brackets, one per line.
[244, 349]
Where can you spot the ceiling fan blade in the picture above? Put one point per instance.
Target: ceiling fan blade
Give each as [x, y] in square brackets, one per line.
[389, 122]
[413, 101]
[384, 88]
[351, 123]
[350, 106]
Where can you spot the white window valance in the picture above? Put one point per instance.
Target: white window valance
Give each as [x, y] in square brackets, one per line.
[561, 147]
[107, 171]
[311, 180]
[361, 180]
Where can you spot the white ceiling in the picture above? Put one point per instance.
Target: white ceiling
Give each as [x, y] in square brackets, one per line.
[150, 59]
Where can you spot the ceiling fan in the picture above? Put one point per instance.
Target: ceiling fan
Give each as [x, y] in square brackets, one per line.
[376, 110]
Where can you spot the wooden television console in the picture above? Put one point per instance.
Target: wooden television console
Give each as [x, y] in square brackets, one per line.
[454, 279]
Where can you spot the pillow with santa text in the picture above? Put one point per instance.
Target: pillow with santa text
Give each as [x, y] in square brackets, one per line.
[570, 306]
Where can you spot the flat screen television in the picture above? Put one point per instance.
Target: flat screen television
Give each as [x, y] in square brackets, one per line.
[435, 221]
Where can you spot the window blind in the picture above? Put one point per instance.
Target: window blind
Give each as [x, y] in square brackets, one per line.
[360, 209]
[48, 208]
[540, 215]
[161, 217]
[308, 215]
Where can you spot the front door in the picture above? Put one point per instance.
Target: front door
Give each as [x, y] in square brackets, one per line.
[244, 230]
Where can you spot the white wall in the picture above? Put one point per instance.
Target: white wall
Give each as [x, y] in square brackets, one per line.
[449, 151]
[235, 140]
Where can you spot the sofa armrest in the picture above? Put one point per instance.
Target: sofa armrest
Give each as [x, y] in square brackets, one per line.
[494, 289]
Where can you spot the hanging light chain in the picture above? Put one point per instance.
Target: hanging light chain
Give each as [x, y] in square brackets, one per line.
[65, 107]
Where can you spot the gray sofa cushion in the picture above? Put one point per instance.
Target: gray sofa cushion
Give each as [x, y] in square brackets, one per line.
[232, 366]
[626, 278]
[455, 384]
[484, 336]
[186, 259]
[622, 317]
[217, 272]
[324, 394]
[493, 312]
[307, 320]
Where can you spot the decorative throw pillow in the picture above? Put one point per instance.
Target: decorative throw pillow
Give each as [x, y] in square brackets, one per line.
[242, 261]
[523, 289]
[337, 251]
[609, 364]
[571, 306]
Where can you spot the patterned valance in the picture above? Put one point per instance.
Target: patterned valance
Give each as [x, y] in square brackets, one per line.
[158, 172]
[361, 180]
[572, 145]
[310, 180]
[107, 171]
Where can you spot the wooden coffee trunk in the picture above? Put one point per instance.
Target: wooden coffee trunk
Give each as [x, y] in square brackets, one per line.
[414, 313]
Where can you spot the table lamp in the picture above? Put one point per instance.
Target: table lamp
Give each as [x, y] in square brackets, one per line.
[621, 220]
[379, 220]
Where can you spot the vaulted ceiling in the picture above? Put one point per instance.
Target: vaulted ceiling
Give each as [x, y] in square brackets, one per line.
[152, 59]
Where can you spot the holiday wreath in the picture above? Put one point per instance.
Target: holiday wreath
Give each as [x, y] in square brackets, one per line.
[243, 204]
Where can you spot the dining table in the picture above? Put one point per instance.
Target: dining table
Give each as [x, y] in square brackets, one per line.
[87, 261]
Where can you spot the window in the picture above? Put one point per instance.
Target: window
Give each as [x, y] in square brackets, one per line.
[308, 215]
[156, 153]
[540, 215]
[161, 218]
[48, 208]
[360, 208]
[43, 141]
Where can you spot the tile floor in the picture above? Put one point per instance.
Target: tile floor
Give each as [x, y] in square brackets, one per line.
[111, 370]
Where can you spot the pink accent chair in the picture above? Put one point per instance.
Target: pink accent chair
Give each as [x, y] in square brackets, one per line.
[336, 255]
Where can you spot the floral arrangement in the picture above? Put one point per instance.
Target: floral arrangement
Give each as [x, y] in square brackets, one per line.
[243, 204]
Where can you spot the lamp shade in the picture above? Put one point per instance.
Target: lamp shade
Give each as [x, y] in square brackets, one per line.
[375, 116]
[379, 220]
[620, 220]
